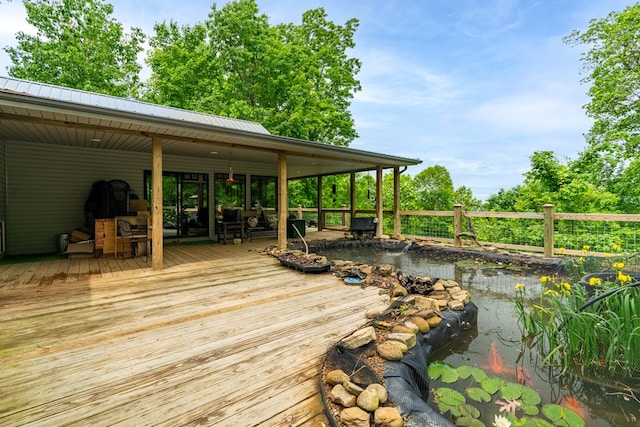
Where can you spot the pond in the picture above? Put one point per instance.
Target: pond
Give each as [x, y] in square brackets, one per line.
[495, 344]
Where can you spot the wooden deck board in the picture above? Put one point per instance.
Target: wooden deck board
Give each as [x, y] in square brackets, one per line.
[224, 336]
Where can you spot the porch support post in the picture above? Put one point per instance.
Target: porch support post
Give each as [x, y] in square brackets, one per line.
[319, 203]
[352, 199]
[157, 255]
[283, 206]
[397, 225]
[379, 201]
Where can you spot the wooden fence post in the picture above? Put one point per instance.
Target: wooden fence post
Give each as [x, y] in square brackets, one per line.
[457, 225]
[300, 212]
[548, 229]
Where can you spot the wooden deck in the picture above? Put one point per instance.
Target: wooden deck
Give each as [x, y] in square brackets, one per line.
[223, 336]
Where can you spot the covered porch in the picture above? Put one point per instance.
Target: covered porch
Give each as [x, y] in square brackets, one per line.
[55, 142]
[223, 335]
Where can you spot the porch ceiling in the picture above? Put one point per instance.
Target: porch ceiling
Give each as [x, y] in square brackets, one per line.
[80, 119]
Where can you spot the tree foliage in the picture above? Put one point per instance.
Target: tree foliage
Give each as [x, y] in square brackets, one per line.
[435, 188]
[612, 67]
[296, 80]
[79, 45]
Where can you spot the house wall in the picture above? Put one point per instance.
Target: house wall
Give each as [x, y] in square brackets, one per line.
[47, 186]
[3, 194]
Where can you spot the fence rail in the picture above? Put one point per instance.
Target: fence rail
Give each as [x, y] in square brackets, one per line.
[547, 232]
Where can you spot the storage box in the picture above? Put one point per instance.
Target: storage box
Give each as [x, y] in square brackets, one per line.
[79, 236]
[138, 205]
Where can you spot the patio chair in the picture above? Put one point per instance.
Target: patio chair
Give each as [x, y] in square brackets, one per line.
[133, 236]
[363, 227]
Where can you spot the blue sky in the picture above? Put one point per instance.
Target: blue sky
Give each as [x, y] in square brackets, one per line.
[473, 85]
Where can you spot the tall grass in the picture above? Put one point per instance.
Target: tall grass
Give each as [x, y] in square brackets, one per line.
[594, 324]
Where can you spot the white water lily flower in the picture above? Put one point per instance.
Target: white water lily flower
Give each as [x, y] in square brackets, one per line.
[501, 421]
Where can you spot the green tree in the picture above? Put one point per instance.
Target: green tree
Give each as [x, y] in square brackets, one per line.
[612, 67]
[296, 80]
[464, 196]
[549, 181]
[181, 66]
[504, 201]
[435, 188]
[78, 45]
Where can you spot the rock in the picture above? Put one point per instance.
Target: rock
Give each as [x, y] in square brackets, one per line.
[341, 396]
[412, 327]
[422, 324]
[425, 302]
[461, 296]
[391, 350]
[401, 329]
[438, 286]
[366, 269]
[434, 321]
[337, 376]
[387, 417]
[407, 339]
[368, 399]
[353, 388]
[427, 313]
[359, 338]
[354, 417]
[450, 284]
[442, 303]
[437, 295]
[382, 324]
[411, 311]
[373, 313]
[454, 289]
[455, 305]
[382, 392]
[399, 291]
[385, 270]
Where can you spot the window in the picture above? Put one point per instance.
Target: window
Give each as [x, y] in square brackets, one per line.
[264, 191]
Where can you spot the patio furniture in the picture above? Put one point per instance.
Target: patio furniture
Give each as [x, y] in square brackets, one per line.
[133, 236]
[364, 226]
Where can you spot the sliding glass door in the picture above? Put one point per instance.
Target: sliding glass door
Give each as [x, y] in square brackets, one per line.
[185, 209]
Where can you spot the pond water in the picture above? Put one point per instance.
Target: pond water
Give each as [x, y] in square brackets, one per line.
[495, 345]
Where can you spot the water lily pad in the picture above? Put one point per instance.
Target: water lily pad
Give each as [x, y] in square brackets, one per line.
[449, 400]
[443, 372]
[530, 409]
[491, 384]
[510, 390]
[530, 396]
[561, 416]
[469, 422]
[469, 411]
[465, 371]
[478, 394]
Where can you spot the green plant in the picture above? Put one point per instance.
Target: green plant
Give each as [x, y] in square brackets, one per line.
[594, 324]
[510, 403]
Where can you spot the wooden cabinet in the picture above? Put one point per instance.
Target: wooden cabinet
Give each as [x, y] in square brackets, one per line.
[106, 235]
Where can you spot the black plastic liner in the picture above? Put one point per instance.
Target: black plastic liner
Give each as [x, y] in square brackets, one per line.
[406, 381]
[531, 261]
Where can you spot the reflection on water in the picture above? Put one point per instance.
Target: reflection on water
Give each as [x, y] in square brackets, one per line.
[495, 346]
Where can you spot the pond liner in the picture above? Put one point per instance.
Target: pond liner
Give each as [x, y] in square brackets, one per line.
[449, 253]
[406, 380]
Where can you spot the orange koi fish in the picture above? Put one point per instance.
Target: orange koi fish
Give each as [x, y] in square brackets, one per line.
[575, 405]
[496, 365]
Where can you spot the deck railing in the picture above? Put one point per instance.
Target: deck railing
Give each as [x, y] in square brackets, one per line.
[547, 232]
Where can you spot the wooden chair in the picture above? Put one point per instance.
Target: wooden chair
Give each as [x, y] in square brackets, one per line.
[133, 236]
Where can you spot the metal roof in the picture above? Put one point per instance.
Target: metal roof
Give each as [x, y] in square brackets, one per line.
[44, 113]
